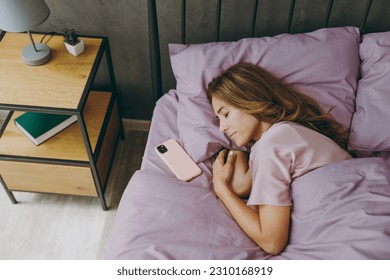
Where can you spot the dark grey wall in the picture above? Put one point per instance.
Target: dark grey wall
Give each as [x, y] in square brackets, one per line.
[125, 23]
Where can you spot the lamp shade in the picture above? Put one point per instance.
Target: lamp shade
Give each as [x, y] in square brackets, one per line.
[22, 15]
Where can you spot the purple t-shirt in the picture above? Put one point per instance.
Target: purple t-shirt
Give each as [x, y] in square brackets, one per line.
[285, 151]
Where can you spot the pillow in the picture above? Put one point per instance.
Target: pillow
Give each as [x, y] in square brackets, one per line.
[324, 64]
[370, 124]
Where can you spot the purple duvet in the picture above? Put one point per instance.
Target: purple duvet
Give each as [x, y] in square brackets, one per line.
[341, 211]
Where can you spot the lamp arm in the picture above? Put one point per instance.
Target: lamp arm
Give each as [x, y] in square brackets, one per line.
[32, 41]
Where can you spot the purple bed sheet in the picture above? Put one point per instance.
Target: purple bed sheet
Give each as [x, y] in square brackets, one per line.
[341, 211]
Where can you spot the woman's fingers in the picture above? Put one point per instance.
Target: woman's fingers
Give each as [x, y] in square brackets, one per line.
[222, 159]
[221, 156]
[231, 157]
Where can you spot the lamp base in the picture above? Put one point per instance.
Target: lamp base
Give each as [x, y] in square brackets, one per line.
[33, 58]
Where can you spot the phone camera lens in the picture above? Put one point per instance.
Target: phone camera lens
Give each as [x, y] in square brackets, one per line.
[162, 149]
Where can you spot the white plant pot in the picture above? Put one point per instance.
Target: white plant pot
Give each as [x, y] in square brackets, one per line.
[76, 49]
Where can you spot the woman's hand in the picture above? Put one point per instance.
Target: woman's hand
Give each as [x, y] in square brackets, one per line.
[241, 180]
[222, 172]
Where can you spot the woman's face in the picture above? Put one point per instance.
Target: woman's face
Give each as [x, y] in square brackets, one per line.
[239, 126]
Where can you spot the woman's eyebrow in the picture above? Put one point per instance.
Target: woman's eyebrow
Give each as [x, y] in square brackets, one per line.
[220, 109]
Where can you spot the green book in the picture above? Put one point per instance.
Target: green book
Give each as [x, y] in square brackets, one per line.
[40, 126]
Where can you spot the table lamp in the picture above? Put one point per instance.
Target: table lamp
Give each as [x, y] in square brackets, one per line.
[20, 16]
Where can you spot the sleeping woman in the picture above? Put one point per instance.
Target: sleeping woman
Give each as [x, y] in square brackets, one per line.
[291, 136]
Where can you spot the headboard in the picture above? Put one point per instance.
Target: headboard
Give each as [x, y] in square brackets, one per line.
[261, 18]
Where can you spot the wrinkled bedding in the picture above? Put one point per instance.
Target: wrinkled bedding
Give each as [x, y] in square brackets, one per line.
[341, 211]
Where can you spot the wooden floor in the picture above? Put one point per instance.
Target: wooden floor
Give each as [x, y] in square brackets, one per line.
[44, 226]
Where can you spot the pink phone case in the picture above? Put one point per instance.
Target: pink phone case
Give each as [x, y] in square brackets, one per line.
[178, 160]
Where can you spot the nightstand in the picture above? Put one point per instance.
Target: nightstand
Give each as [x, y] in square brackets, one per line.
[77, 160]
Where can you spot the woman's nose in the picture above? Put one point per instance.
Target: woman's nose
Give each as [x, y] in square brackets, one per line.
[222, 126]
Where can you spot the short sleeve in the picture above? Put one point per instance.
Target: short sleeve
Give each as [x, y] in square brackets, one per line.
[270, 165]
[285, 152]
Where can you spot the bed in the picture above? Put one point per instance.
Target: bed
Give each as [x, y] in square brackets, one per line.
[340, 211]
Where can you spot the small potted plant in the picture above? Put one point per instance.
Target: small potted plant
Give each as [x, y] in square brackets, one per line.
[73, 43]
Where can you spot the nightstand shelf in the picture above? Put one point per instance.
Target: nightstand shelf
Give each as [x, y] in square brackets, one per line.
[68, 144]
[77, 160]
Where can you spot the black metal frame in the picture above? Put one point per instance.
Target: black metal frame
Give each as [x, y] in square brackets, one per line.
[155, 55]
[92, 156]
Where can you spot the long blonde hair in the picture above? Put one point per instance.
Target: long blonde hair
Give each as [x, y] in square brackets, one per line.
[256, 91]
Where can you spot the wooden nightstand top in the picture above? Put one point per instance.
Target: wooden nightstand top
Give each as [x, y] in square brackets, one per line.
[59, 83]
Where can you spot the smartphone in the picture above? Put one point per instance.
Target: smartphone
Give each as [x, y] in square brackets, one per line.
[180, 163]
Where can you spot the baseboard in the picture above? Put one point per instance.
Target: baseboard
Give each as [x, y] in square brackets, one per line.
[132, 124]
[3, 116]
